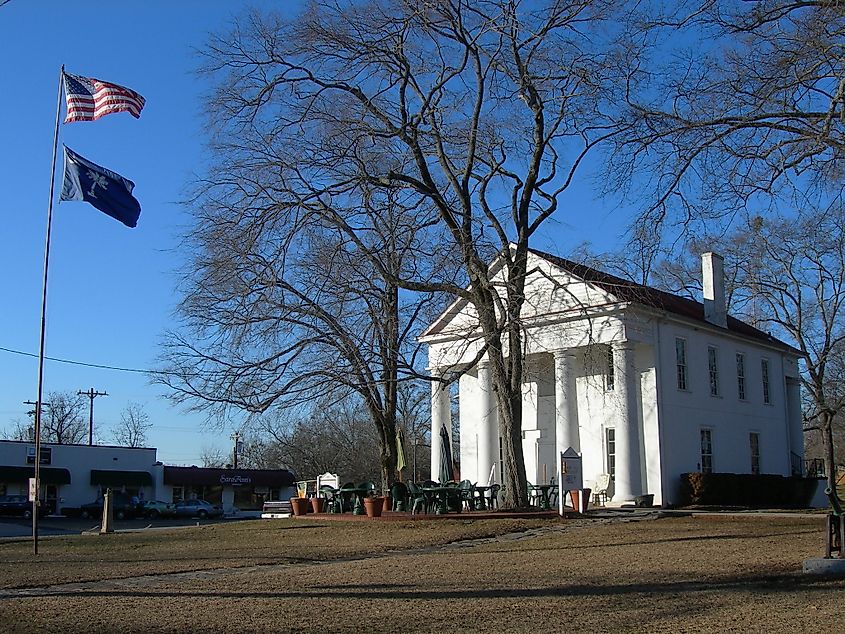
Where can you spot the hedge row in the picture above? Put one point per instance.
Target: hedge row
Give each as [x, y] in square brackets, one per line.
[744, 489]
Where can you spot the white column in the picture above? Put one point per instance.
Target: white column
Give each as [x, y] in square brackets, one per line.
[566, 403]
[441, 414]
[488, 428]
[628, 481]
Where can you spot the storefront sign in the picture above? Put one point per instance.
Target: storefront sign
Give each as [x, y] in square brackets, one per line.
[46, 455]
[235, 480]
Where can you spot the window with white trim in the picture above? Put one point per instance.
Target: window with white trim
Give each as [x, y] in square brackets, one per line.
[610, 451]
[764, 371]
[706, 450]
[740, 375]
[713, 369]
[681, 362]
[609, 375]
[754, 446]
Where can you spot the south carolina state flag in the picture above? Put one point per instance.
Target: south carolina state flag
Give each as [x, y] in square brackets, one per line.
[108, 191]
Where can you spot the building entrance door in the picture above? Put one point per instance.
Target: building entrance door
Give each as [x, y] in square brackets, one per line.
[51, 498]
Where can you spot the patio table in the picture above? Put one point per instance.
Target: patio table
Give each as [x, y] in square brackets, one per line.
[481, 500]
[359, 493]
[442, 496]
[544, 491]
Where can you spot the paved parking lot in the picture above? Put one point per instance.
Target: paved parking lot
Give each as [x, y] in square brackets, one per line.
[13, 527]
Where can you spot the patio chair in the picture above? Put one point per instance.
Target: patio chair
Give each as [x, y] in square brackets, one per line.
[399, 493]
[600, 492]
[370, 487]
[347, 496]
[493, 497]
[334, 503]
[467, 494]
[417, 498]
[553, 492]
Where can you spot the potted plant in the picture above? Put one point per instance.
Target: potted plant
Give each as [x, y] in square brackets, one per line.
[373, 506]
[318, 504]
[299, 505]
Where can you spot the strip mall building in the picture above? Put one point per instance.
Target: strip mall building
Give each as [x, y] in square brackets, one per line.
[72, 475]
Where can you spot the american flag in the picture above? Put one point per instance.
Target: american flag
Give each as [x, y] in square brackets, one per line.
[89, 99]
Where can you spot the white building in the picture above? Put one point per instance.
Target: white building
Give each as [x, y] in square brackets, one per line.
[645, 385]
[72, 475]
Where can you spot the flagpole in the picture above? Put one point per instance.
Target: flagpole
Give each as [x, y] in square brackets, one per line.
[36, 503]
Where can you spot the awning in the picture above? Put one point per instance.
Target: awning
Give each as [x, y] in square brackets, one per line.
[101, 477]
[202, 476]
[49, 475]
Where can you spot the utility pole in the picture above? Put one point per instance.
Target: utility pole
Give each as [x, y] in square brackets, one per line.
[237, 449]
[32, 413]
[91, 394]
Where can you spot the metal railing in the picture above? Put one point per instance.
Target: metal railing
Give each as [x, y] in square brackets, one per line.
[814, 468]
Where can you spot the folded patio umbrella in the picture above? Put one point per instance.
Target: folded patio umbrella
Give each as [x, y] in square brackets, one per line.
[445, 456]
[400, 453]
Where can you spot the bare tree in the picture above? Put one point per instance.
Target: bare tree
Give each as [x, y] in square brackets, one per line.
[20, 430]
[279, 314]
[333, 437]
[213, 458]
[483, 111]
[64, 423]
[741, 106]
[133, 426]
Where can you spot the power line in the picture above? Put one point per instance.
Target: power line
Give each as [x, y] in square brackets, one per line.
[87, 365]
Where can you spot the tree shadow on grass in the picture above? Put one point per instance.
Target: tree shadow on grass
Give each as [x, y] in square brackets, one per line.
[584, 588]
[665, 540]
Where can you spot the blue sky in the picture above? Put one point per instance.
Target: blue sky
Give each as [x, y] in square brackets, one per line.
[111, 289]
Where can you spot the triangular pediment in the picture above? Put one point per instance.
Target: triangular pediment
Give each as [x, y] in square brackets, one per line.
[550, 291]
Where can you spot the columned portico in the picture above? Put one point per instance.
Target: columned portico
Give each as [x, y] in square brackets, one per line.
[441, 414]
[566, 403]
[628, 481]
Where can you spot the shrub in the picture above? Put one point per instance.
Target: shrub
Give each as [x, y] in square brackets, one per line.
[745, 489]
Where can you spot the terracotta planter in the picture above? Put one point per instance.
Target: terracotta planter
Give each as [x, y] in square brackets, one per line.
[373, 506]
[388, 503]
[580, 499]
[299, 506]
[318, 505]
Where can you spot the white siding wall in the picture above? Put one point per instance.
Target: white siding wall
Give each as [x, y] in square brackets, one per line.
[80, 460]
[731, 420]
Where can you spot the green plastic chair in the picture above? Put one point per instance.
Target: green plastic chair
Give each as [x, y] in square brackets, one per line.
[399, 493]
[369, 486]
[334, 504]
[347, 497]
[467, 490]
[417, 498]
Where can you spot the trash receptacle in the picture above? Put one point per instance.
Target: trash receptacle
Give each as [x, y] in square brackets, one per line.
[644, 501]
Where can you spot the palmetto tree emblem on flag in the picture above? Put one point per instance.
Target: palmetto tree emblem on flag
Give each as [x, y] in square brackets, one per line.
[97, 179]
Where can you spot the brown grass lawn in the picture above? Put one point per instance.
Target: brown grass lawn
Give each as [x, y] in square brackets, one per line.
[668, 575]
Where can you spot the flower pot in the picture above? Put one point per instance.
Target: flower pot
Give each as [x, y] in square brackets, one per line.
[318, 505]
[580, 499]
[299, 506]
[373, 506]
[388, 503]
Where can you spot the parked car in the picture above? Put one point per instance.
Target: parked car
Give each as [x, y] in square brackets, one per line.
[156, 508]
[18, 506]
[123, 507]
[197, 508]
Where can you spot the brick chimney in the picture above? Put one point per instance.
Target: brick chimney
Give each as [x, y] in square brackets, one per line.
[713, 282]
